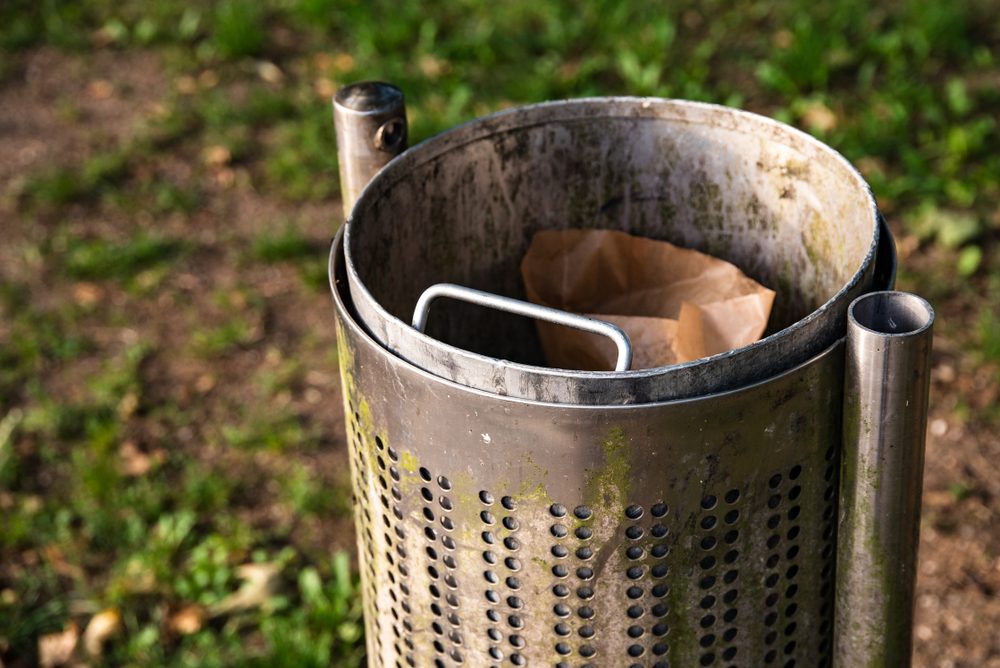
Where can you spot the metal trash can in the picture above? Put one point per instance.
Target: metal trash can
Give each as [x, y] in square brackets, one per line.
[510, 514]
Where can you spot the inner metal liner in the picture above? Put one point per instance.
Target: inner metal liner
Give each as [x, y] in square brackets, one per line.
[462, 208]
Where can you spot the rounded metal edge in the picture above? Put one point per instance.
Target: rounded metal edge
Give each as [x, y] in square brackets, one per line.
[368, 98]
[900, 303]
[344, 310]
[485, 126]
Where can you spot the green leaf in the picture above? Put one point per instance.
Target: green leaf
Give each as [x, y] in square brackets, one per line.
[969, 260]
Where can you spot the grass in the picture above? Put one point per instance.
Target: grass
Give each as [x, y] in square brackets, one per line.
[100, 259]
[163, 419]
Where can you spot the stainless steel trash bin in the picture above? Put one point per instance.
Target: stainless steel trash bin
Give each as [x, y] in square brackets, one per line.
[675, 517]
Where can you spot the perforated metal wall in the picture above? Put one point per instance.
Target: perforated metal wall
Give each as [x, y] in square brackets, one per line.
[497, 533]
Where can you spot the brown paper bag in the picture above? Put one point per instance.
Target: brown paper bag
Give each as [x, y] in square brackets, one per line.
[676, 304]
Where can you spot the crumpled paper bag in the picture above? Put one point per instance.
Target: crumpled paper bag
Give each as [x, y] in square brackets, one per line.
[675, 304]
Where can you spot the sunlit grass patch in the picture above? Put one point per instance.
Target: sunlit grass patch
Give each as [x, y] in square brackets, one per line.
[102, 259]
[289, 244]
[239, 28]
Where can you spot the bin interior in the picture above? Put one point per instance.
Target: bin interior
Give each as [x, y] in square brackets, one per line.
[462, 207]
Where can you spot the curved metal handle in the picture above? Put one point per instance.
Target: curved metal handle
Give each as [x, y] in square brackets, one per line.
[528, 310]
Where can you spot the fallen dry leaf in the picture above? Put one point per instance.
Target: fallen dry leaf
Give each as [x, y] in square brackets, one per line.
[57, 560]
[270, 72]
[204, 383]
[217, 156]
[820, 118]
[186, 85]
[343, 61]
[261, 582]
[101, 627]
[187, 620]
[324, 87]
[87, 294]
[134, 462]
[100, 89]
[56, 649]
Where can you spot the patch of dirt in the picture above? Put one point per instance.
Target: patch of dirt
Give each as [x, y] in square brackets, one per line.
[958, 580]
[59, 107]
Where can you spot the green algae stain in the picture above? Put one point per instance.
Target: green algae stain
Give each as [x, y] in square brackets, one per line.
[408, 462]
[608, 487]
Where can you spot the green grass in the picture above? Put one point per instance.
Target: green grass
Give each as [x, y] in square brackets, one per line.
[905, 89]
[289, 245]
[100, 259]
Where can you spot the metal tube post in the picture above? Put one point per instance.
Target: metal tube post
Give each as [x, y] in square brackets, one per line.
[370, 119]
[885, 415]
